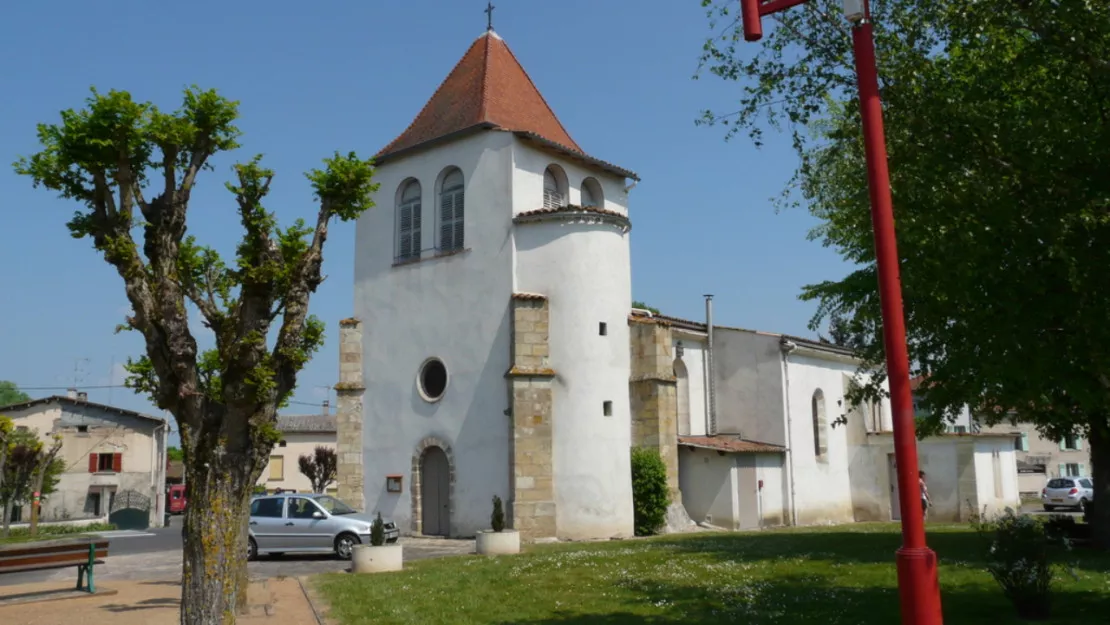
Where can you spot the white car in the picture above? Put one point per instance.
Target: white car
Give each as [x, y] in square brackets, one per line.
[1068, 492]
[309, 523]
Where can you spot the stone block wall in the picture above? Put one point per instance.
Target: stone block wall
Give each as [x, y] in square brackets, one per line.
[653, 394]
[532, 509]
[349, 415]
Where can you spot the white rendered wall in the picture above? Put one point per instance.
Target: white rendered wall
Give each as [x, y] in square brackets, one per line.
[769, 468]
[709, 486]
[530, 163]
[455, 308]
[822, 490]
[996, 503]
[584, 270]
[694, 357]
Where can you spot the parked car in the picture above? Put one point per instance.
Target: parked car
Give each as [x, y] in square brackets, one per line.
[1068, 492]
[176, 499]
[309, 523]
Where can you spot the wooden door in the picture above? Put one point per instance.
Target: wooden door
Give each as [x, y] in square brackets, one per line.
[434, 493]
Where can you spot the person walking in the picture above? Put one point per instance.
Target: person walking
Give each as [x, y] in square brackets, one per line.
[925, 501]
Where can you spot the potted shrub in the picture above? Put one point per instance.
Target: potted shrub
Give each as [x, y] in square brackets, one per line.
[377, 557]
[498, 540]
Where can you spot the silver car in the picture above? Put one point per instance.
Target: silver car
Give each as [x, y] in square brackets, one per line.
[1068, 492]
[309, 523]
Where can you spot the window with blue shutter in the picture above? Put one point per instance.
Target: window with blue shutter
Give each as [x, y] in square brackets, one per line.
[451, 212]
[408, 222]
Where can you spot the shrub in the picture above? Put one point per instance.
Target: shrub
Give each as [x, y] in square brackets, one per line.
[650, 495]
[497, 519]
[377, 531]
[1019, 557]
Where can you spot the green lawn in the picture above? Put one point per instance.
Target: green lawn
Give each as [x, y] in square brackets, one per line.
[817, 576]
[52, 532]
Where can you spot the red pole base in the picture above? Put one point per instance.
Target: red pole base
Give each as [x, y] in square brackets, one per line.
[918, 587]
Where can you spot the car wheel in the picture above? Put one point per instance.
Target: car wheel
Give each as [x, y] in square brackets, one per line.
[1049, 508]
[252, 549]
[345, 545]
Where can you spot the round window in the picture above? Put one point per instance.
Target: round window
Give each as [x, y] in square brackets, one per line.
[433, 379]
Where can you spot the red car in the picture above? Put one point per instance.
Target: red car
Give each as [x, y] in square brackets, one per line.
[177, 499]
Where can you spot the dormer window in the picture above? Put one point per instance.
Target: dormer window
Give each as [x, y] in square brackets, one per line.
[554, 191]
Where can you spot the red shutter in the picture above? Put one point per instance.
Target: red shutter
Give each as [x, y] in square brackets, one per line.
[117, 463]
[92, 463]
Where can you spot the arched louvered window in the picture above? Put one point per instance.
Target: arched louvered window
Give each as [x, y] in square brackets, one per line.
[451, 212]
[408, 221]
[553, 194]
[591, 193]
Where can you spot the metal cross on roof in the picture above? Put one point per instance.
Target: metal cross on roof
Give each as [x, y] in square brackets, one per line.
[489, 15]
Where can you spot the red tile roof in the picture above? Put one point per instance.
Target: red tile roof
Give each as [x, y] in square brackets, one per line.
[488, 87]
[730, 443]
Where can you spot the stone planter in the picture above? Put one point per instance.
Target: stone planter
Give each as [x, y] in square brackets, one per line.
[371, 559]
[491, 543]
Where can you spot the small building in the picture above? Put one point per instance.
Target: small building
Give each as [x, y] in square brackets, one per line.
[300, 435]
[1039, 458]
[115, 459]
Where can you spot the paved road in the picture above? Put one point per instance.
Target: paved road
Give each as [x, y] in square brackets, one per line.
[156, 555]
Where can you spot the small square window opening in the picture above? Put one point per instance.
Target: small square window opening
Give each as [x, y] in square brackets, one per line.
[603, 328]
[607, 408]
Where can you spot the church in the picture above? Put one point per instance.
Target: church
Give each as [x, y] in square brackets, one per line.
[494, 349]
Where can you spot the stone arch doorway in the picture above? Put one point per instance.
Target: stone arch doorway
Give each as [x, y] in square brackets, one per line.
[433, 488]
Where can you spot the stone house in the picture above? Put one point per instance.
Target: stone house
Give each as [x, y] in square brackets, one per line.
[300, 435]
[115, 458]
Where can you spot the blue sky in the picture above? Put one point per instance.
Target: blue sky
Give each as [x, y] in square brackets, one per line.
[313, 78]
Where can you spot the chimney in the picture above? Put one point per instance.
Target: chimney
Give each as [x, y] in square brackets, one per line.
[327, 407]
[711, 427]
[82, 396]
[71, 393]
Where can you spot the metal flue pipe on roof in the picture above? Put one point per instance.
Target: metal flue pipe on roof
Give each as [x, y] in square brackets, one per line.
[711, 373]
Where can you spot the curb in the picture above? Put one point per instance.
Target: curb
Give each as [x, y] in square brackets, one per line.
[311, 604]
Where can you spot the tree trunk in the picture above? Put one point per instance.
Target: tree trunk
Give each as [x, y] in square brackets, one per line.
[1099, 514]
[218, 491]
[7, 519]
[36, 487]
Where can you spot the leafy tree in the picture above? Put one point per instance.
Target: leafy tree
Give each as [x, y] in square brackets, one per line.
[10, 394]
[131, 169]
[650, 495]
[998, 127]
[643, 306]
[28, 466]
[320, 468]
[175, 454]
[842, 333]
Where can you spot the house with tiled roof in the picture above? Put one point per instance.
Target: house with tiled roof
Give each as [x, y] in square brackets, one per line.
[300, 436]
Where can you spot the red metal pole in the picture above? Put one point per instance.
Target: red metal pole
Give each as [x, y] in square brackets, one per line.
[918, 587]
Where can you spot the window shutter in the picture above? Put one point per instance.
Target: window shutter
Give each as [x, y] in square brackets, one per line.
[1078, 443]
[457, 238]
[446, 219]
[117, 463]
[1082, 469]
[414, 232]
[92, 463]
[1063, 470]
[404, 232]
[1063, 442]
[1025, 441]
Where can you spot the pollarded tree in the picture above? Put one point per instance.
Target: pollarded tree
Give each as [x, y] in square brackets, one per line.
[132, 167]
[998, 126]
[320, 468]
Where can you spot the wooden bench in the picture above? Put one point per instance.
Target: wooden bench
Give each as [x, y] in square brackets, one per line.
[84, 553]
